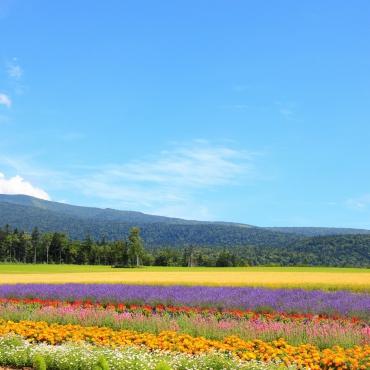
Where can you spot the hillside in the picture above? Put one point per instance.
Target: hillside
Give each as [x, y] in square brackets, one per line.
[319, 231]
[26, 212]
[246, 244]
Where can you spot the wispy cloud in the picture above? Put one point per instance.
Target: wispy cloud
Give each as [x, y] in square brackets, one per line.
[359, 203]
[5, 100]
[15, 76]
[288, 111]
[171, 182]
[25, 166]
[196, 165]
[17, 185]
[14, 70]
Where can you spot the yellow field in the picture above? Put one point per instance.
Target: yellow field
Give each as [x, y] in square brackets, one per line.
[359, 281]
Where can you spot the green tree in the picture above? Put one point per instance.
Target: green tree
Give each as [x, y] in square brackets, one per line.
[135, 246]
[45, 245]
[35, 241]
[58, 245]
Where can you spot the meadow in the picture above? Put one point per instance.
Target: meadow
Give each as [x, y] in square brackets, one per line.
[288, 277]
[68, 317]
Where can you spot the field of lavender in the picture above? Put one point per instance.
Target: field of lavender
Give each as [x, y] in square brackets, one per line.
[115, 326]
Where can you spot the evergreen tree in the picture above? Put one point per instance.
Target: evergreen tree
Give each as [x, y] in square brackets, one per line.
[35, 240]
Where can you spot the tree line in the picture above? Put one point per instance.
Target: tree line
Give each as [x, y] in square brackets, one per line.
[19, 246]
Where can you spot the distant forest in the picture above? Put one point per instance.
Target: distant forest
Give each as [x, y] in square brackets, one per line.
[57, 248]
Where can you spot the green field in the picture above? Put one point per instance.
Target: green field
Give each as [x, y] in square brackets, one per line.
[13, 268]
[272, 277]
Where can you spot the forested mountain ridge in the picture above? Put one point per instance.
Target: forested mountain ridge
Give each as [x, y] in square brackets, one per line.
[101, 214]
[55, 247]
[320, 231]
[25, 213]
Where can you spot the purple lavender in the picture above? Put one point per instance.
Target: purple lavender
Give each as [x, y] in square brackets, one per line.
[283, 300]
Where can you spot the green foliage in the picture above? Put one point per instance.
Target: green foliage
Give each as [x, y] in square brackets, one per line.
[319, 231]
[39, 363]
[12, 340]
[49, 232]
[102, 364]
[135, 246]
[56, 248]
[163, 365]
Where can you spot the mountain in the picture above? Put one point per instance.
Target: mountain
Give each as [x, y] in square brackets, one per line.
[25, 212]
[320, 231]
[100, 214]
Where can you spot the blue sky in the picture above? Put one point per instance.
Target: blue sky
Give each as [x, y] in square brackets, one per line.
[246, 111]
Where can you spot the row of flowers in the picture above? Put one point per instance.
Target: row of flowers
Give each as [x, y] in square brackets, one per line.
[322, 333]
[303, 356]
[17, 352]
[341, 303]
[261, 315]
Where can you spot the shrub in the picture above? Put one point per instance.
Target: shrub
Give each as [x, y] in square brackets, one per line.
[39, 363]
[162, 366]
[102, 364]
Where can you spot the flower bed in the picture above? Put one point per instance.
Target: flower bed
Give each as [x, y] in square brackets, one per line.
[162, 328]
[295, 329]
[281, 300]
[303, 356]
[15, 351]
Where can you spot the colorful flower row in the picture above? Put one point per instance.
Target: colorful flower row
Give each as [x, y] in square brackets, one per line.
[341, 303]
[14, 351]
[303, 356]
[181, 310]
[322, 333]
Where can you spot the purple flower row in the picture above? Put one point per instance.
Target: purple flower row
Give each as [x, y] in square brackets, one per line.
[283, 300]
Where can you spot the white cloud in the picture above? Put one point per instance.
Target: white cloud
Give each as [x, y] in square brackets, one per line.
[288, 110]
[15, 74]
[192, 166]
[17, 185]
[5, 100]
[14, 71]
[360, 203]
[171, 182]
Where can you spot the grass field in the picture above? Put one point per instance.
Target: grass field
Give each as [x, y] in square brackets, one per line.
[305, 277]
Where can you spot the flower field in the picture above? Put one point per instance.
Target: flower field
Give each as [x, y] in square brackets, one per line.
[107, 326]
[357, 279]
